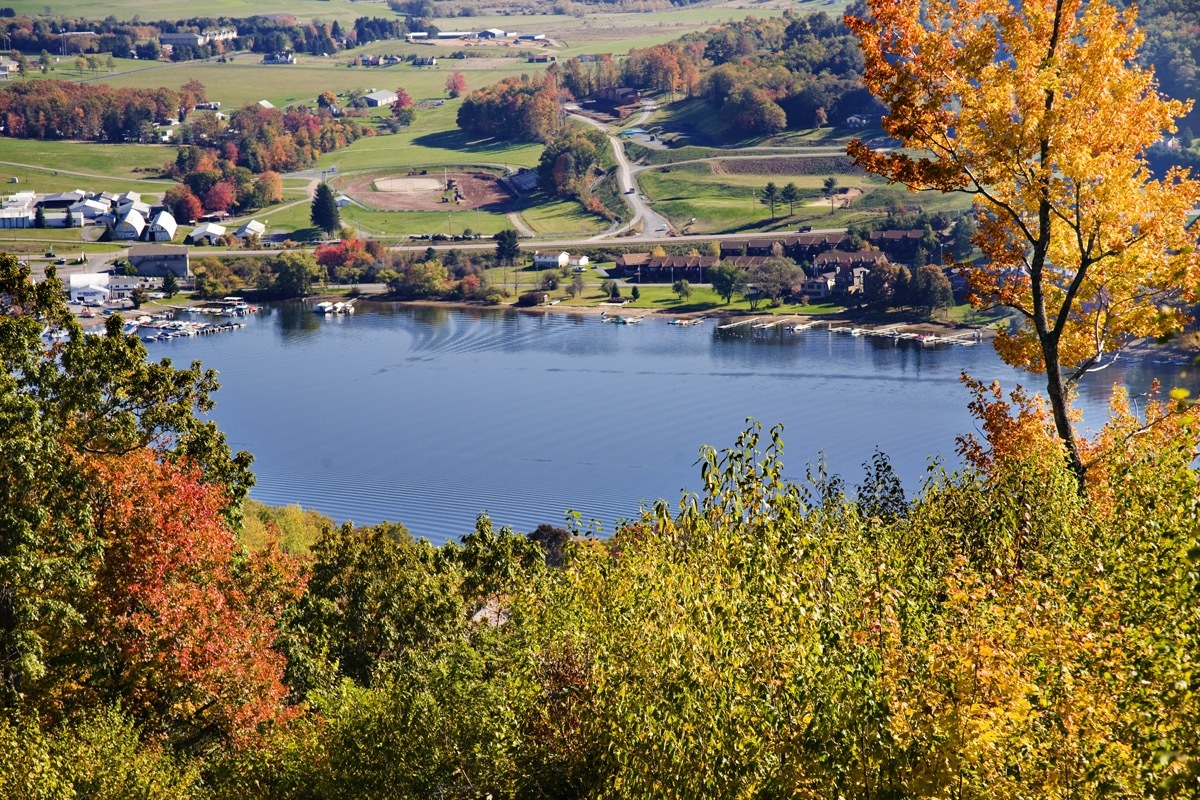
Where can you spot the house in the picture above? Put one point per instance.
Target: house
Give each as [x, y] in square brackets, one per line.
[629, 262]
[120, 287]
[341, 201]
[543, 58]
[425, 61]
[89, 288]
[251, 228]
[156, 260]
[279, 58]
[806, 245]
[898, 244]
[163, 228]
[550, 260]
[732, 249]
[835, 259]
[820, 287]
[579, 261]
[129, 225]
[380, 98]
[209, 233]
[849, 280]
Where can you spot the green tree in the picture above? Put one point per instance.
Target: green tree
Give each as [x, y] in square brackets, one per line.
[931, 289]
[508, 246]
[325, 214]
[170, 284]
[829, 190]
[770, 196]
[70, 219]
[775, 278]
[39, 217]
[294, 273]
[682, 289]
[790, 194]
[727, 280]
[635, 293]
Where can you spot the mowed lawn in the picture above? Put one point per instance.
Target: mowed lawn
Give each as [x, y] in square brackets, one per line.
[48, 166]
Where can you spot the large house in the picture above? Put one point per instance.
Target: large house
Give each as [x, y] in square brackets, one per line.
[550, 260]
[156, 260]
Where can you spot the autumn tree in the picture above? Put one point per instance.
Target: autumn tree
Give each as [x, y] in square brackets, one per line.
[1043, 113]
[456, 85]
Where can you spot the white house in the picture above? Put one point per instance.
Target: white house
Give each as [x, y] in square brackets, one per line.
[90, 288]
[120, 287]
[130, 225]
[550, 260]
[251, 228]
[581, 261]
[209, 233]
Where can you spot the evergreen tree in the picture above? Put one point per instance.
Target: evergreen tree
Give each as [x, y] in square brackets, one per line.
[507, 246]
[70, 219]
[170, 284]
[770, 196]
[790, 194]
[325, 213]
[39, 218]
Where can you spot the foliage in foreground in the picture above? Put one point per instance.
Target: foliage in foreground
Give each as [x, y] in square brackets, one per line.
[996, 635]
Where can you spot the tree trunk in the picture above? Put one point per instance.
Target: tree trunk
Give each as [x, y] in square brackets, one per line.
[1058, 405]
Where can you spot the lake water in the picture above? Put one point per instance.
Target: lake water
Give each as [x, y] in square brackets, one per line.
[429, 416]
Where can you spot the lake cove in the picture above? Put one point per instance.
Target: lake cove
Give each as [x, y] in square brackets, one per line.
[430, 416]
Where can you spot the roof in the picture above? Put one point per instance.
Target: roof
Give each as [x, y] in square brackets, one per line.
[157, 250]
[383, 95]
[135, 219]
[252, 227]
[208, 229]
[266, 104]
[165, 221]
[83, 279]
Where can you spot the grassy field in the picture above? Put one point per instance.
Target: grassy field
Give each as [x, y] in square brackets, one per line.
[62, 166]
[726, 203]
[559, 217]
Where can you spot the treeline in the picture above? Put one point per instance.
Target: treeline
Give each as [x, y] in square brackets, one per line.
[761, 638]
[259, 34]
[569, 165]
[521, 108]
[90, 112]
[759, 75]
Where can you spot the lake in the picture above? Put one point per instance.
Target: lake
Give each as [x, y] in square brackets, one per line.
[429, 416]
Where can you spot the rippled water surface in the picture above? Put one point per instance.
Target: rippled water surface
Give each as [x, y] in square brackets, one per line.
[430, 416]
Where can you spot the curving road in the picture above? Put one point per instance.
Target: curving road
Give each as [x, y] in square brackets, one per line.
[653, 225]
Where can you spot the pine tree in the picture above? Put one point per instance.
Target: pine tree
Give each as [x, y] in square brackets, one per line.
[39, 218]
[170, 285]
[325, 213]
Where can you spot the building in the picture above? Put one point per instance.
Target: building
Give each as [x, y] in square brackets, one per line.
[820, 287]
[836, 259]
[578, 261]
[417, 36]
[491, 33]
[425, 61]
[279, 58]
[190, 39]
[901, 244]
[543, 58]
[129, 226]
[524, 181]
[61, 201]
[120, 287]
[532, 37]
[265, 104]
[156, 260]
[251, 228]
[550, 260]
[849, 280]
[163, 228]
[380, 98]
[209, 233]
[17, 211]
[88, 288]
[90, 210]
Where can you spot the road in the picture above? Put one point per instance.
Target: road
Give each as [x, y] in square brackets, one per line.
[653, 225]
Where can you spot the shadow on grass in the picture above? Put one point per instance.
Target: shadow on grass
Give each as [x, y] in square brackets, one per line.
[463, 141]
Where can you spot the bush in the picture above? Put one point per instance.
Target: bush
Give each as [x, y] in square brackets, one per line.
[531, 299]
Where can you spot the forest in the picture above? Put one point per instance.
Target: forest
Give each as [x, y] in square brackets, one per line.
[993, 631]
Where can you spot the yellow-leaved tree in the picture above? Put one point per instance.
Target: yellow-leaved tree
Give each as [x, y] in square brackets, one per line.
[1040, 109]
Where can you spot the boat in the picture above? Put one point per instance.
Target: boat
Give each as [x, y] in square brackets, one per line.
[685, 322]
[323, 308]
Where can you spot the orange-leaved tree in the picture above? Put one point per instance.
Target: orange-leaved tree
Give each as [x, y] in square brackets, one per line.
[1040, 109]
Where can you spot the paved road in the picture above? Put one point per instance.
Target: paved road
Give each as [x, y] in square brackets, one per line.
[653, 224]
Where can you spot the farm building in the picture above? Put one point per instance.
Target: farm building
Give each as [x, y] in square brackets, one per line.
[130, 226]
[163, 228]
[209, 233]
[61, 200]
[88, 210]
[380, 98]
[491, 33]
[532, 37]
[251, 228]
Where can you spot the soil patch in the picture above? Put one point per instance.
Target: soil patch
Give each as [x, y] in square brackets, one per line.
[796, 165]
[430, 192]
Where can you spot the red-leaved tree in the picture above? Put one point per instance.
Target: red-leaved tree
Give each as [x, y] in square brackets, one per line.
[456, 85]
